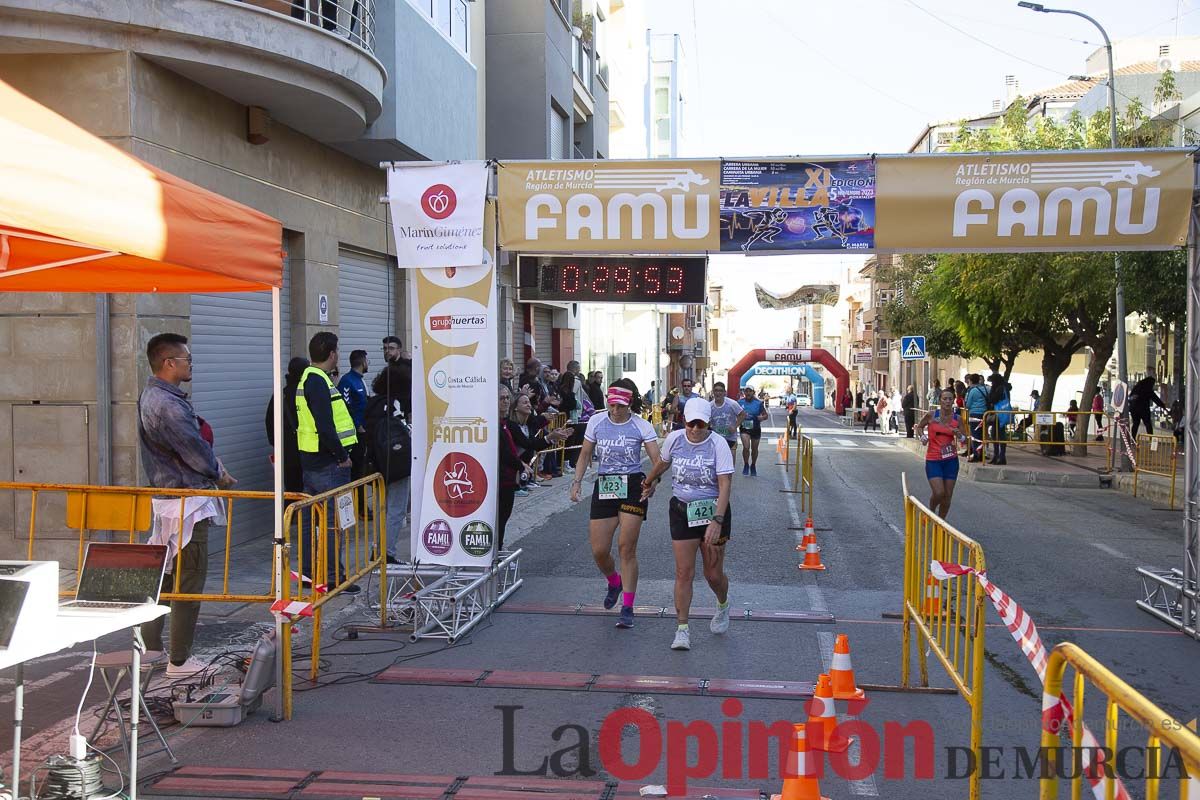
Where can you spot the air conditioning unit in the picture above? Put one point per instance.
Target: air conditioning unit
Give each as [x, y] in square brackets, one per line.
[1166, 65]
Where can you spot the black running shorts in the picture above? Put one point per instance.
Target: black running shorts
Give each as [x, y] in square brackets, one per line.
[679, 523]
[631, 504]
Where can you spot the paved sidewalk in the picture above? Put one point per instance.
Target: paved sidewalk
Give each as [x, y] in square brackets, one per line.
[1029, 467]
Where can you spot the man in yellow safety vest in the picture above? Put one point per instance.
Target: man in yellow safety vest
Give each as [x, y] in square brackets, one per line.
[325, 434]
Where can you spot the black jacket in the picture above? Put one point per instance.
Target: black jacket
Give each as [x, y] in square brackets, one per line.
[293, 474]
[1142, 395]
[528, 446]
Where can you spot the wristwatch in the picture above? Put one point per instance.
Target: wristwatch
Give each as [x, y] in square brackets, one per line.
[719, 519]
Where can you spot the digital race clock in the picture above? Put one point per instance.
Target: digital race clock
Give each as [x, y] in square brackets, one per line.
[621, 279]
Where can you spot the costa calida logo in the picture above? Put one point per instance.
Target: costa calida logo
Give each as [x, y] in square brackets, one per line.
[439, 201]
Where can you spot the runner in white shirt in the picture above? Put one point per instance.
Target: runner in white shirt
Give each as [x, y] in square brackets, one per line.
[727, 416]
[617, 438]
[700, 516]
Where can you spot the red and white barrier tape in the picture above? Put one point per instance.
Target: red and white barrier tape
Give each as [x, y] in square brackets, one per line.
[1126, 439]
[320, 587]
[1056, 711]
[292, 608]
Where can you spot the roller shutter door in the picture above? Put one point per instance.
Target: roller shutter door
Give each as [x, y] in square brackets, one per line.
[231, 384]
[518, 336]
[365, 307]
[543, 338]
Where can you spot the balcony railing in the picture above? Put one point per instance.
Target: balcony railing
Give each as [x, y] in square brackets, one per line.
[581, 61]
[353, 20]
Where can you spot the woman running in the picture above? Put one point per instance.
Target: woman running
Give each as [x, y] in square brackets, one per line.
[946, 429]
[699, 512]
[617, 438]
[755, 413]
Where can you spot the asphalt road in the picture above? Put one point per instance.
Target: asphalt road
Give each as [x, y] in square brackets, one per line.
[1068, 556]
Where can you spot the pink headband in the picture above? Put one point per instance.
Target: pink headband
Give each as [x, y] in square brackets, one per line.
[619, 397]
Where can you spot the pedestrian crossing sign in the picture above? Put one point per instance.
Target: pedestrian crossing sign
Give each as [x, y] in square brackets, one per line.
[912, 348]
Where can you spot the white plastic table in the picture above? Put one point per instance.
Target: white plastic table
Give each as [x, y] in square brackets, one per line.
[68, 631]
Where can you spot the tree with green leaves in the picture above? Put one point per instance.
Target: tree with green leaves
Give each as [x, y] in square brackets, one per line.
[1063, 302]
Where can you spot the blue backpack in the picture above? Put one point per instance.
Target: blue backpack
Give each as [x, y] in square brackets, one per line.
[1004, 411]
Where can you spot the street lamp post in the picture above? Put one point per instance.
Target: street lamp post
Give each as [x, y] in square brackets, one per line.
[1122, 364]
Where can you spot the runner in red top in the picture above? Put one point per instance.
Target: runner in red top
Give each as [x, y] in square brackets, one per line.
[942, 429]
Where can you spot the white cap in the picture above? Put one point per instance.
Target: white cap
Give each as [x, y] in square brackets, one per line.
[697, 409]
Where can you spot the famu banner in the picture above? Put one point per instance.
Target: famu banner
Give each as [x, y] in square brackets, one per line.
[437, 212]
[1036, 201]
[802, 204]
[609, 206]
[454, 491]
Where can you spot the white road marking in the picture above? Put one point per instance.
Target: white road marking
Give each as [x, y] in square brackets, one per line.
[896, 530]
[1112, 551]
[877, 443]
[48, 679]
[846, 442]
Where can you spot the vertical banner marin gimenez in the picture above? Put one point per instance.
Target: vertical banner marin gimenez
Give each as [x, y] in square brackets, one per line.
[444, 227]
[455, 415]
[798, 204]
[437, 212]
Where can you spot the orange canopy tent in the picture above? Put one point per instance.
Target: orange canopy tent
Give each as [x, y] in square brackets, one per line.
[79, 215]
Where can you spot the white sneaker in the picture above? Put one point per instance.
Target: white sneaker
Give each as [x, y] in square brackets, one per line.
[187, 669]
[720, 620]
[683, 640]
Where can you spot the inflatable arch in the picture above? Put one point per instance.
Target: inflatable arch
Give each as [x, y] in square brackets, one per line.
[821, 356]
[814, 377]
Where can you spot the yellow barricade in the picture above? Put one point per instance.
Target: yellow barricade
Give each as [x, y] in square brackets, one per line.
[62, 518]
[1162, 729]
[1037, 427]
[804, 458]
[948, 615]
[350, 528]
[1155, 456]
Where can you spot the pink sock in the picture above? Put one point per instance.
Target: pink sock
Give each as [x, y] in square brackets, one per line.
[614, 580]
[627, 599]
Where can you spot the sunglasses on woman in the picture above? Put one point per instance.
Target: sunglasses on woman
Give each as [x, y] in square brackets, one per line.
[697, 423]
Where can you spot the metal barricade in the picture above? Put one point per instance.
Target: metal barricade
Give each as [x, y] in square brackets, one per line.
[949, 614]
[1037, 427]
[79, 513]
[347, 525]
[1155, 456]
[1162, 729]
[805, 460]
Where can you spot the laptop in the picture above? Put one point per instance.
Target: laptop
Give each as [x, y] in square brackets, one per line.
[116, 577]
[12, 599]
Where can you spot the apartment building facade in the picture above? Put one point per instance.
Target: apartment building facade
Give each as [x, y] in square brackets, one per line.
[287, 107]
[547, 98]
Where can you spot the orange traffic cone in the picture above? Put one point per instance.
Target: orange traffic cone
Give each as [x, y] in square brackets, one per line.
[812, 553]
[841, 672]
[933, 596]
[822, 719]
[798, 783]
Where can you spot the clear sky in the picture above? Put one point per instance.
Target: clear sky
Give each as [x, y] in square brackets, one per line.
[816, 77]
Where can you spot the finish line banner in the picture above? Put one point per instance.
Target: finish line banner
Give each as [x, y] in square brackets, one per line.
[610, 206]
[437, 212]
[798, 205]
[1043, 202]
[454, 491]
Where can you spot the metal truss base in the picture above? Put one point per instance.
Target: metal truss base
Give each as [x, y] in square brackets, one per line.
[1163, 594]
[446, 602]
